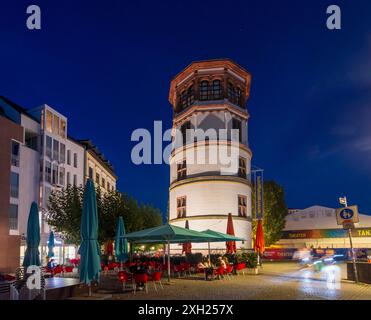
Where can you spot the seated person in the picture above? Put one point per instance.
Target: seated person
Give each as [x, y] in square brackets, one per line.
[209, 270]
[221, 263]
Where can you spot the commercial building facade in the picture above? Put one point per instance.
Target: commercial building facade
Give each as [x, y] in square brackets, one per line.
[98, 168]
[317, 227]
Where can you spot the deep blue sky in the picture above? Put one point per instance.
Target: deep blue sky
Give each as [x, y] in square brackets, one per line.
[107, 66]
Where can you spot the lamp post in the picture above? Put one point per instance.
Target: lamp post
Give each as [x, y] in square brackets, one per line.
[344, 202]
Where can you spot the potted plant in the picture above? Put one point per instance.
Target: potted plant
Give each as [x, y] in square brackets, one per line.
[252, 262]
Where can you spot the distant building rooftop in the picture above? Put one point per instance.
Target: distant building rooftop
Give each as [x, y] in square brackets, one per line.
[88, 144]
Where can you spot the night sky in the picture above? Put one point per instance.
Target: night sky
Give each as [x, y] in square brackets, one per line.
[107, 66]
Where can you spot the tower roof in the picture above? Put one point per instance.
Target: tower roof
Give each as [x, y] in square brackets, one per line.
[209, 65]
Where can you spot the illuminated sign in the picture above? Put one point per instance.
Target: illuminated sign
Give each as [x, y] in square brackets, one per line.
[325, 233]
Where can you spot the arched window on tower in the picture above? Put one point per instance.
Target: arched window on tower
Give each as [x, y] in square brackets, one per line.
[187, 98]
[190, 96]
[231, 92]
[204, 90]
[183, 99]
[216, 90]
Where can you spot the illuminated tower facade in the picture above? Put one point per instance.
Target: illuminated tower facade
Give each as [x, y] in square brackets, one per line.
[209, 99]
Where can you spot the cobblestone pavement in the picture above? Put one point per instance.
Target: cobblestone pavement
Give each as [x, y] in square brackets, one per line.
[282, 281]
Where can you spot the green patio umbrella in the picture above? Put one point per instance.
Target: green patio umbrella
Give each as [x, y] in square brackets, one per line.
[32, 255]
[222, 236]
[51, 245]
[121, 243]
[89, 249]
[169, 234]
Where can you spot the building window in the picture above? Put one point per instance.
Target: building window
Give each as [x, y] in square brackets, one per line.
[48, 192]
[75, 160]
[242, 167]
[15, 154]
[13, 217]
[204, 90]
[30, 140]
[108, 186]
[181, 205]
[55, 124]
[103, 183]
[185, 126]
[91, 173]
[187, 98]
[61, 175]
[49, 121]
[69, 157]
[48, 172]
[231, 92]
[216, 90]
[242, 206]
[236, 124]
[14, 184]
[68, 178]
[190, 96]
[97, 178]
[55, 174]
[55, 150]
[62, 131]
[182, 170]
[48, 149]
[183, 99]
[75, 180]
[62, 153]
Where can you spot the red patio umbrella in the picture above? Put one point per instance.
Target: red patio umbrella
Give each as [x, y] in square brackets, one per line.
[231, 245]
[187, 246]
[259, 238]
[109, 248]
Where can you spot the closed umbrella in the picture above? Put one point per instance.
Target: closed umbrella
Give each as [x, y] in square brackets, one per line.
[51, 245]
[89, 249]
[121, 243]
[32, 254]
[259, 246]
[187, 246]
[231, 245]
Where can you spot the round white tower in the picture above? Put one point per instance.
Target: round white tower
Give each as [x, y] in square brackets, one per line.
[210, 163]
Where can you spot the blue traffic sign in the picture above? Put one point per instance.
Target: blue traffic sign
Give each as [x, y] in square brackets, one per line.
[347, 214]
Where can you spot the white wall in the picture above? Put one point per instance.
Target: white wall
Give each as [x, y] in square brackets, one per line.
[210, 197]
[79, 171]
[207, 158]
[29, 184]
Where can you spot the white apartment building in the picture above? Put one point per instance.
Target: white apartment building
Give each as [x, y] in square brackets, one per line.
[61, 163]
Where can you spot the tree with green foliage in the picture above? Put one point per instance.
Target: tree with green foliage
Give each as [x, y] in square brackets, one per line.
[65, 209]
[275, 211]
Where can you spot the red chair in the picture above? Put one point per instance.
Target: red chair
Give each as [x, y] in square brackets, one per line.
[69, 269]
[58, 270]
[229, 272]
[125, 278]
[186, 268]
[241, 267]
[141, 278]
[220, 272]
[156, 278]
[177, 269]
